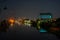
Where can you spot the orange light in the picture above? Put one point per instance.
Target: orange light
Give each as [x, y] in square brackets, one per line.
[11, 21]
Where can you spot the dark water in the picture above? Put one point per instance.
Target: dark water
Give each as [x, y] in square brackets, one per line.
[24, 32]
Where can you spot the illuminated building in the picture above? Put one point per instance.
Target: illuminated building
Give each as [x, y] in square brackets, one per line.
[27, 22]
[19, 21]
[45, 15]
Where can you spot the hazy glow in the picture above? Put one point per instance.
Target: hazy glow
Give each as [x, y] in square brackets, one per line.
[45, 16]
[42, 30]
[11, 25]
[18, 22]
[11, 21]
[27, 22]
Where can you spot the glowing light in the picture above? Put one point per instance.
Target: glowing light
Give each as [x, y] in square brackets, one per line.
[38, 24]
[42, 30]
[11, 25]
[27, 22]
[18, 22]
[11, 21]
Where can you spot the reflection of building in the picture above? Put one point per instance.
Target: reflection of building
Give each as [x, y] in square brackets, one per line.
[38, 23]
[42, 30]
[45, 15]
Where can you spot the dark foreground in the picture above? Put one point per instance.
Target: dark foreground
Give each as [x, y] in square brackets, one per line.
[23, 32]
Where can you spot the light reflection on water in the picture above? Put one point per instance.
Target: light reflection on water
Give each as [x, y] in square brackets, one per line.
[42, 30]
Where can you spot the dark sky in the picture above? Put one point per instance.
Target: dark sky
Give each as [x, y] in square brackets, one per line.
[31, 8]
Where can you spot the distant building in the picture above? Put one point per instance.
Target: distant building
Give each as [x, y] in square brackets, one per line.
[45, 15]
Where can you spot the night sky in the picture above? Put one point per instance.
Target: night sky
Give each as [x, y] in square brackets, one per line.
[31, 8]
